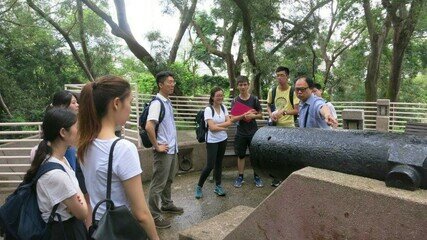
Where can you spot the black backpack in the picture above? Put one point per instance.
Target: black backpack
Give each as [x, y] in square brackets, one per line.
[143, 121]
[20, 217]
[291, 100]
[201, 128]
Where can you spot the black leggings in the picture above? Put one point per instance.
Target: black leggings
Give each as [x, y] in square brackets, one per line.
[215, 152]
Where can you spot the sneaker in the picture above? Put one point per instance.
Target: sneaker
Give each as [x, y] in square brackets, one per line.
[239, 181]
[219, 190]
[172, 209]
[275, 183]
[258, 181]
[162, 223]
[198, 193]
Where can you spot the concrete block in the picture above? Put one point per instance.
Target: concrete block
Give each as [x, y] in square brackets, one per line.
[217, 227]
[383, 102]
[353, 119]
[383, 107]
[382, 123]
[353, 114]
[192, 151]
[321, 204]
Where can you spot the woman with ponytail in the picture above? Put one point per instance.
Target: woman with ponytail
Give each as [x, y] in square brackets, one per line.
[58, 186]
[106, 104]
[69, 100]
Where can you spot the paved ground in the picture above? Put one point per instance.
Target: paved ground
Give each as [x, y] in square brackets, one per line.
[210, 205]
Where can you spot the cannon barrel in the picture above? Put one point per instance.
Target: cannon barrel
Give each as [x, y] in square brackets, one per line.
[398, 159]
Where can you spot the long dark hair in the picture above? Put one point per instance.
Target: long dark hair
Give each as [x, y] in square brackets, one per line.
[213, 91]
[62, 99]
[54, 120]
[95, 97]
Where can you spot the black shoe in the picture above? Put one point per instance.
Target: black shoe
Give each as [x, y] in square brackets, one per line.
[275, 183]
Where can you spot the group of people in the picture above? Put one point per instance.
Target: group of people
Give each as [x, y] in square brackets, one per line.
[284, 104]
[88, 131]
[79, 137]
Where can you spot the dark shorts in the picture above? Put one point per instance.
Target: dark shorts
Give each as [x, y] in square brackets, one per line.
[241, 143]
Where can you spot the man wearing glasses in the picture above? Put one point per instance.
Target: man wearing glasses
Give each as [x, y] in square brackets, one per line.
[313, 111]
[282, 104]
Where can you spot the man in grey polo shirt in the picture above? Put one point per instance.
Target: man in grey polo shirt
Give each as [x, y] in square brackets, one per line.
[165, 146]
[313, 111]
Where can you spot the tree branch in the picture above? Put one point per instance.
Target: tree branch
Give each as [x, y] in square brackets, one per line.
[187, 16]
[83, 38]
[122, 31]
[65, 35]
[9, 8]
[4, 106]
[293, 31]
[205, 42]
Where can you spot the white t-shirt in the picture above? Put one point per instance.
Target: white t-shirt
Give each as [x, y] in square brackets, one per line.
[54, 187]
[332, 108]
[214, 137]
[95, 166]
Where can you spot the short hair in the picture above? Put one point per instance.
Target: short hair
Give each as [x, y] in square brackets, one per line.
[281, 68]
[318, 86]
[308, 80]
[242, 79]
[162, 76]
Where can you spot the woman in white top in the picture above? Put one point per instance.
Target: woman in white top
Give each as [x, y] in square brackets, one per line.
[216, 142]
[105, 104]
[58, 186]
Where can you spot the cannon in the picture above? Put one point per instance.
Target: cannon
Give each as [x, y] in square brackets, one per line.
[398, 159]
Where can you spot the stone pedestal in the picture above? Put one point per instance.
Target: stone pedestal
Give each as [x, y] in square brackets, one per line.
[383, 115]
[353, 119]
[321, 204]
[217, 227]
[382, 123]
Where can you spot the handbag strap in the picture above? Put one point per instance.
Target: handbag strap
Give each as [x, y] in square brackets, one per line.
[110, 168]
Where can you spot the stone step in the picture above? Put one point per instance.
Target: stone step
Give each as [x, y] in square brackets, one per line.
[217, 227]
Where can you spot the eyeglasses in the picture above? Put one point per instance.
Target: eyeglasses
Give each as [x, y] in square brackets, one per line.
[300, 89]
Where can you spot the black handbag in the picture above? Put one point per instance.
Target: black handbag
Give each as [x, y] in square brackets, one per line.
[117, 221]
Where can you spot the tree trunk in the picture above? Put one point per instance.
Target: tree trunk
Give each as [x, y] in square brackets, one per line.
[4, 106]
[122, 30]
[396, 69]
[257, 85]
[247, 39]
[83, 38]
[373, 71]
[230, 72]
[327, 72]
[377, 39]
[187, 16]
[404, 23]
